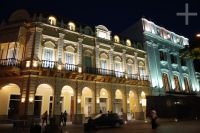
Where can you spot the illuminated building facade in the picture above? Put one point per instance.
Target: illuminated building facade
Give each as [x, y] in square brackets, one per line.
[53, 65]
[173, 79]
[57, 66]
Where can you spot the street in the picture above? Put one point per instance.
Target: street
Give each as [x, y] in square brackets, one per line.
[165, 126]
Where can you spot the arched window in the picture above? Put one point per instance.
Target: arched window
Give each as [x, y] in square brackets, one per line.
[103, 63]
[69, 58]
[142, 70]
[165, 82]
[116, 39]
[71, 26]
[52, 20]
[176, 83]
[187, 88]
[128, 42]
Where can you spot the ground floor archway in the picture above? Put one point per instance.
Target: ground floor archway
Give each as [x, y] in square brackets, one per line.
[10, 99]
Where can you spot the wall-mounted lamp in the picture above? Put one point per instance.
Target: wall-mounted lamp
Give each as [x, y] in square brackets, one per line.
[97, 100]
[144, 102]
[28, 63]
[128, 101]
[30, 99]
[79, 69]
[59, 67]
[23, 99]
[79, 100]
[35, 63]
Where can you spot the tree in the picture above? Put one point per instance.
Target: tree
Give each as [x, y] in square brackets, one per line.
[193, 51]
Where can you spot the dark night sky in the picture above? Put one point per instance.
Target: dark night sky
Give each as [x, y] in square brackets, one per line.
[115, 15]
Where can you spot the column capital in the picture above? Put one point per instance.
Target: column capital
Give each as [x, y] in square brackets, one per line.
[124, 51]
[38, 29]
[80, 40]
[61, 35]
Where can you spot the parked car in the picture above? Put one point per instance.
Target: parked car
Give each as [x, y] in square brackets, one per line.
[103, 120]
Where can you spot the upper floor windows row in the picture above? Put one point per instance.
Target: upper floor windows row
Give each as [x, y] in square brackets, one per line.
[163, 57]
[52, 20]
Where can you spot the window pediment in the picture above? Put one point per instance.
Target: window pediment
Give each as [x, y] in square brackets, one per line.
[70, 49]
[49, 44]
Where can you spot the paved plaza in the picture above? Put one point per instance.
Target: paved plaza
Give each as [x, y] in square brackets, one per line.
[165, 126]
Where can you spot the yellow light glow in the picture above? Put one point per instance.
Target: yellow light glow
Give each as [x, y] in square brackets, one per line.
[144, 102]
[28, 63]
[30, 99]
[35, 63]
[128, 101]
[97, 100]
[79, 100]
[79, 69]
[198, 35]
[143, 94]
[59, 67]
[23, 99]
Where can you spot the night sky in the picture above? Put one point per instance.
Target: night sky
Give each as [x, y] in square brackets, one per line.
[115, 15]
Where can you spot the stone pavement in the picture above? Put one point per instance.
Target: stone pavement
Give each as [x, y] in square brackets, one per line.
[166, 126]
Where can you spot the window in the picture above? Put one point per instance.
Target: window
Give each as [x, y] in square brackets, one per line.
[116, 39]
[88, 61]
[186, 84]
[129, 69]
[103, 66]
[71, 26]
[165, 82]
[118, 69]
[11, 53]
[183, 62]
[52, 20]
[48, 58]
[173, 59]
[163, 56]
[176, 83]
[141, 70]
[128, 42]
[69, 59]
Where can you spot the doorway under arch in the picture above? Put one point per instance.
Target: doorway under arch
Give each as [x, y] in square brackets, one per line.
[103, 100]
[67, 101]
[86, 105]
[10, 98]
[43, 100]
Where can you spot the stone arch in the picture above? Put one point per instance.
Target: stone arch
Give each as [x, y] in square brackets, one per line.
[104, 100]
[67, 100]
[118, 102]
[10, 98]
[87, 102]
[44, 97]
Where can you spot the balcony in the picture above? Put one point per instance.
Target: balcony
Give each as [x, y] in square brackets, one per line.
[10, 66]
[104, 72]
[107, 72]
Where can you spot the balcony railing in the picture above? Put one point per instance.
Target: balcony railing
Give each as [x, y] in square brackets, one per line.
[10, 62]
[54, 64]
[48, 64]
[71, 67]
[107, 72]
